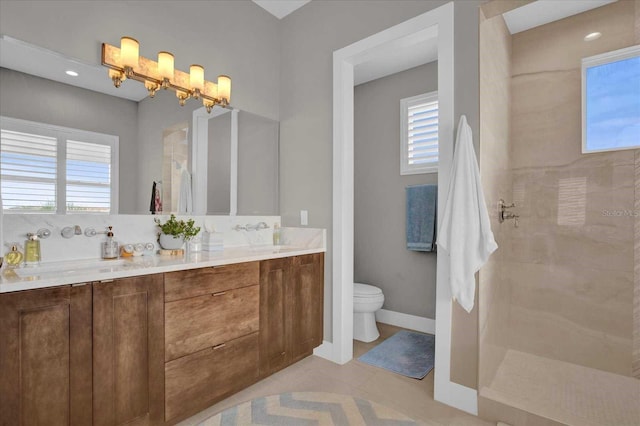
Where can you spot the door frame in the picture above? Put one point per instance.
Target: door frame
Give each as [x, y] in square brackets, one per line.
[344, 63]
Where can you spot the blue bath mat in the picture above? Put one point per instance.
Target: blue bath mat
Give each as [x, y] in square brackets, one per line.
[407, 353]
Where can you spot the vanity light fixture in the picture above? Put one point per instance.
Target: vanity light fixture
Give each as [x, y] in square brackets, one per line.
[592, 36]
[125, 62]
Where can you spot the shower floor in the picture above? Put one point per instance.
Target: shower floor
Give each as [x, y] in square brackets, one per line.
[565, 392]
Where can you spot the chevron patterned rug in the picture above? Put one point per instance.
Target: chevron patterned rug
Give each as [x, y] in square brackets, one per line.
[309, 408]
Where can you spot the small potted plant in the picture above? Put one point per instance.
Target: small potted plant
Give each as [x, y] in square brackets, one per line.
[173, 233]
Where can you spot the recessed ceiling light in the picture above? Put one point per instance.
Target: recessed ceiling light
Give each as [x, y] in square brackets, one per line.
[72, 73]
[592, 36]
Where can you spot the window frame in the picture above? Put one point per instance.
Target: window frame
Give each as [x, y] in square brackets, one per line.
[589, 62]
[405, 104]
[62, 134]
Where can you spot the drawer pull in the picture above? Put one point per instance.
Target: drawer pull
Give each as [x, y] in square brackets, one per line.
[220, 346]
[220, 293]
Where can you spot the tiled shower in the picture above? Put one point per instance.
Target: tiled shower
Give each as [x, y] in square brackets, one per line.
[559, 302]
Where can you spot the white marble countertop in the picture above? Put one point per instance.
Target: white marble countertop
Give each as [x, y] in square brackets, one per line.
[87, 270]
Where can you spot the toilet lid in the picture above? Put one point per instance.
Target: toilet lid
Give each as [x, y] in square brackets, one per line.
[365, 290]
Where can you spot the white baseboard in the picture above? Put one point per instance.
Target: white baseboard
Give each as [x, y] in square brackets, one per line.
[411, 322]
[325, 350]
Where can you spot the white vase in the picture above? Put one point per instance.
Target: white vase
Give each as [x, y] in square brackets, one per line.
[170, 242]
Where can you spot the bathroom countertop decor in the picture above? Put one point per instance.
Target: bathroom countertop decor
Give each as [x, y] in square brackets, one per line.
[49, 274]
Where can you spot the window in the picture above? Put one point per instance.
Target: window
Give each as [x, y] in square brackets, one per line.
[419, 134]
[51, 169]
[611, 101]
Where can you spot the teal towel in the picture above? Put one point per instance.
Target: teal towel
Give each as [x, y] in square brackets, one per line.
[422, 205]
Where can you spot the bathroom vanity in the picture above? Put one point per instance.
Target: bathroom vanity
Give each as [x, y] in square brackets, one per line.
[154, 343]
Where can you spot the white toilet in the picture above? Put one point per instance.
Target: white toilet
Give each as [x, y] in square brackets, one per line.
[367, 299]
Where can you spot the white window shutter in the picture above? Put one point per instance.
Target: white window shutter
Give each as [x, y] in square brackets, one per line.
[28, 166]
[88, 177]
[419, 135]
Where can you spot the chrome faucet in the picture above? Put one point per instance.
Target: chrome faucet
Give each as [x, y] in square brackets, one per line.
[250, 227]
[257, 226]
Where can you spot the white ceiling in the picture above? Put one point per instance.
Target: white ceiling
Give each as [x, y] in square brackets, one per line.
[280, 8]
[35, 60]
[545, 11]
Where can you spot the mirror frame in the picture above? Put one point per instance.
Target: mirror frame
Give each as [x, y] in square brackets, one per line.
[199, 157]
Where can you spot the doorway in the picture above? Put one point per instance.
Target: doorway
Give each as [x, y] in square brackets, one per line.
[373, 55]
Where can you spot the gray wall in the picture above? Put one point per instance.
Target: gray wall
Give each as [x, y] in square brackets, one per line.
[257, 165]
[36, 99]
[407, 278]
[310, 35]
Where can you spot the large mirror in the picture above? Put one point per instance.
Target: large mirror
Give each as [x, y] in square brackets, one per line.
[230, 156]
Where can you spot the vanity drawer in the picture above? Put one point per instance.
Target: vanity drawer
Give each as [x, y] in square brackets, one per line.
[200, 322]
[197, 282]
[194, 382]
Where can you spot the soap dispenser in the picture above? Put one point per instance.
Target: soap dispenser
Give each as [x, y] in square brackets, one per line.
[32, 250]
[110, 246]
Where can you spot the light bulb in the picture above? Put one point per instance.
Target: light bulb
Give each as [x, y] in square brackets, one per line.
[129, 52]
[196, 77]
[165, 65]
[224, 88]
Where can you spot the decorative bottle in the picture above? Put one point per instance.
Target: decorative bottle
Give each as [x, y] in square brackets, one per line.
[32, 250]
[14, 257]
[276, 234]
[110, 246]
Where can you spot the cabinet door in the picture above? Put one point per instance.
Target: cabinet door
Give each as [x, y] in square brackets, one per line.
[45, 356]
[205, 321]
[306, 299]
[128, 351]
[196, 381]
[274, 314]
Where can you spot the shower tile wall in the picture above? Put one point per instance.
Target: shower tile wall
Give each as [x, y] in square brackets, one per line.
[571, 262]
[563, 285]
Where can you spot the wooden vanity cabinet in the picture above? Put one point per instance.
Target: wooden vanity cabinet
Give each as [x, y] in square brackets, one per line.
[211, 335]
[154, 349]
[307, 304]
[291, 310]
[275, 314]
[128, 351]
[45, 356]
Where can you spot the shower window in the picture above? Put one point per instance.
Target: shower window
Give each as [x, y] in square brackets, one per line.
[611, 101]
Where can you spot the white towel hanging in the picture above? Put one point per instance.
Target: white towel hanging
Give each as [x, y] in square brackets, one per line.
[465, 233]
[185, 203]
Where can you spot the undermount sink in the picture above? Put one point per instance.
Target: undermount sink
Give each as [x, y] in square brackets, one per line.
[56, 269]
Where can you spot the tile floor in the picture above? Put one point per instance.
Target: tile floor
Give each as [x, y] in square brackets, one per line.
[409, 396]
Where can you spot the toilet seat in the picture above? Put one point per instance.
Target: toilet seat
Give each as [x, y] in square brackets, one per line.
[363, 291]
